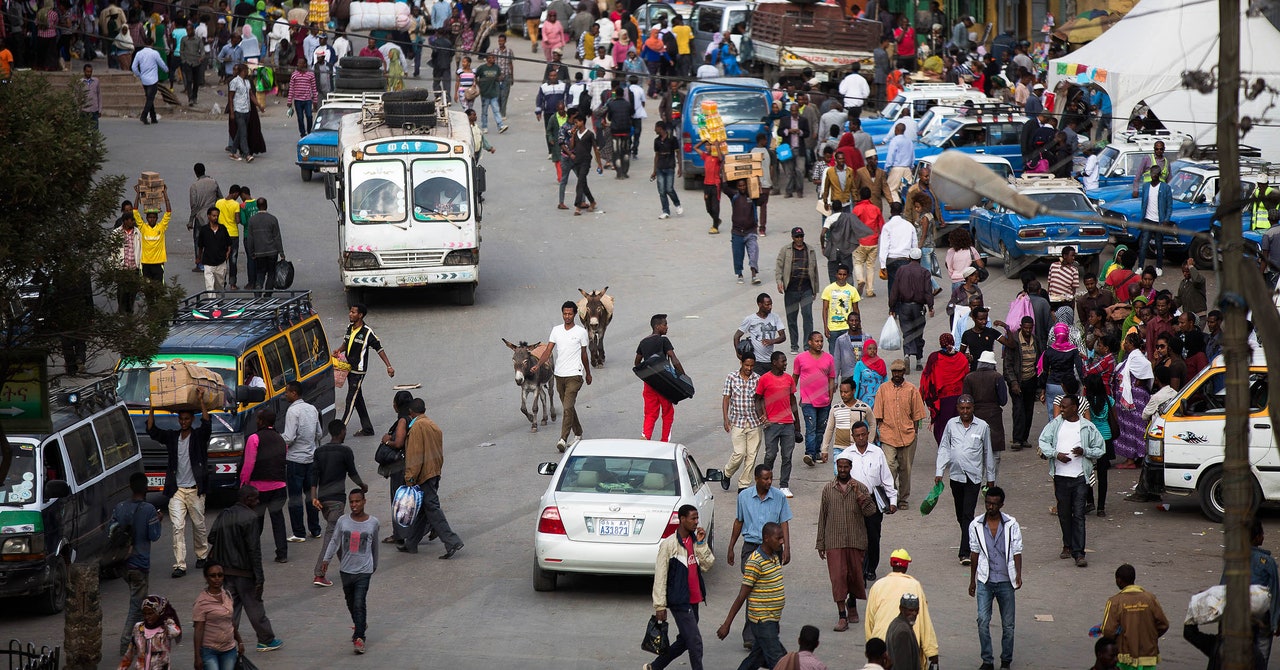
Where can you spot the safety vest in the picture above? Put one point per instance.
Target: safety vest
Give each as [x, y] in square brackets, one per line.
[1261, 219]
[1164, 170]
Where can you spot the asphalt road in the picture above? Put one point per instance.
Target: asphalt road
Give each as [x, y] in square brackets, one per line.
[479, 610]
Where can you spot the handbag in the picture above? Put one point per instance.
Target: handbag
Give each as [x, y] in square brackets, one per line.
[784, 152]
[655, 636]
[284, 274]
[472, 92]
[983, 273]
[387, 454]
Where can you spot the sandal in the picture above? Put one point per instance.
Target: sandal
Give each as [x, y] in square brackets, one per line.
[577, 211]
[390, 539]
[562, 206]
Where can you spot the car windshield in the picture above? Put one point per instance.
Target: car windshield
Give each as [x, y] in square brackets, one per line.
[17, 473]
[1066, 202]
[331, 119]
[620, 475]
[1184, 186]
[1002, 169]
[377, 192]
[891, 110]
[735, 106]
[1106, 159]
[133, 383]
[938, 135]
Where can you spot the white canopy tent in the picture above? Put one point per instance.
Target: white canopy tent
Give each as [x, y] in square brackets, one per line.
[1142, 58]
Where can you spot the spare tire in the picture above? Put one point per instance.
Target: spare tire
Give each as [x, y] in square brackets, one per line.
[412, 120]
[415, 108]
[356, 83]
[360, 63]
[407, 95]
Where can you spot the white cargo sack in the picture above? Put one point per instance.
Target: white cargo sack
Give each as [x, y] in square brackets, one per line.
[1207, 606]
[890, 336]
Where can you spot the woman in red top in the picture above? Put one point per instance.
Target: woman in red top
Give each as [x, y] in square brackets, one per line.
[941, 382]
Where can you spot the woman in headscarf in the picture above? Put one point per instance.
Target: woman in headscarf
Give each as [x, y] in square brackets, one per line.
[156, 31]
[1060, 361]
[1117, 263]
[395, 438]
[1131, 395]
[395, 72]
[729, 56]
[153, 637]
[653, 54]
[962, 294]
[621, 45]
[852, 157]
[713, 49]
[870, 372]
[217, 641]
[1065, 314]
[1136, 318]
[942, 381]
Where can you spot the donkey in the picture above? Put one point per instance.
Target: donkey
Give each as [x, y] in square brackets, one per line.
[595, 309]
[537, 382]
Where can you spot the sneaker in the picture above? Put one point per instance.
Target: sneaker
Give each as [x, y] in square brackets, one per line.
[359, 645]
[679, 210]
[366, 432]
[503, 129]
[795, 350]
[271, 646]
[576, 439]
[786, 492]
[1159, 272]
[664, 215]
[713, 231]
[295, 538]
[808, 460]
[316, 535]
[741, 280]
[179, 572]
[755, 281]
[647, 666]
[965, 561]
[561, 446]
[321, 581]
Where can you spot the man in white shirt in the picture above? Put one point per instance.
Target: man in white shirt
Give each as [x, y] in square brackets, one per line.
[897, 239]
[341, 48]
[568, 344]
[638, 114]
[302, 434]
[147, 65]
[707, 70]
[1071, 445]
[965, 451]
[898, 160]
[855, 89]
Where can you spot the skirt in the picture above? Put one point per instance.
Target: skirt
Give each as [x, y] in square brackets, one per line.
[1132, 441]
[946, 412]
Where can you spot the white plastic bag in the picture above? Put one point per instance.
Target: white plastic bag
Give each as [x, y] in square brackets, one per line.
[890, 335]
[405, 505]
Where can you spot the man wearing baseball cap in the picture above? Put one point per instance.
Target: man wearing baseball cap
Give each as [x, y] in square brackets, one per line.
[797, 273]
[884, 602]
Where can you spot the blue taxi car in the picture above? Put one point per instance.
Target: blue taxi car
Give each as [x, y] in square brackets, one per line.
[744, 106]
[981, 130]
[319, 148]
[1021, 241]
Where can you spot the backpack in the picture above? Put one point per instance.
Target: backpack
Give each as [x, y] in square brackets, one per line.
[120, 531]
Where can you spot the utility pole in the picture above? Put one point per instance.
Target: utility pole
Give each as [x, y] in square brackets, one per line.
[1237, 479]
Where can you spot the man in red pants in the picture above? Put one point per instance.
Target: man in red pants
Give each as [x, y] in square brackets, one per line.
[657, 344]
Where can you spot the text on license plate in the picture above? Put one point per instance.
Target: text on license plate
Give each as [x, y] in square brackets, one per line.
[155, 481]
[1055, 250]
[613, 527]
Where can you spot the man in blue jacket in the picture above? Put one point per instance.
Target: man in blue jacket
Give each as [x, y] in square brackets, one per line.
[1157, 209]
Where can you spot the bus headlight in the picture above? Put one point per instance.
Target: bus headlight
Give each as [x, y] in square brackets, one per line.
[360, 260]
[463, 257]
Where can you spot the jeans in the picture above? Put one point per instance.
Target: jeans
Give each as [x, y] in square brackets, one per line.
[767, 649]
[797, 303]
[487, 104]
[504, 92]
[356, 588]
[1002, 594]
[1051, 394]
[272, 503]
[965, 496]
[300, 477]
[1069, 492]
[780, 438]
[188, 501]
[1024, 410]
[790, 179]
[233, 263]
[621, 155]
[137, 581]
[815, 422]
[431, 516]
[566, 169]
[302, 111]
[567, 388]
[667, 188]
[690, 638]
[149, 108]
[219, 660]
[355, 400]
[745, 244]
[1145, 239]
[246, 598]
[240, 145]
[333, 510]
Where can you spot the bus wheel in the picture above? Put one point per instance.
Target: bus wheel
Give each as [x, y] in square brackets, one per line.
[465, 295]
[354, 296]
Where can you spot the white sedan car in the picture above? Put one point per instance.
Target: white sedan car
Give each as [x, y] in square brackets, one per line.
[609, 504]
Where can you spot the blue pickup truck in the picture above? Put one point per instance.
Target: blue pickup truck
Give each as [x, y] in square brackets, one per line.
[319, 148]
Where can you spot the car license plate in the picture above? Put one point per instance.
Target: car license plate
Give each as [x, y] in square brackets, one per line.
[613, 527]
[155, 481]
[1055, 250]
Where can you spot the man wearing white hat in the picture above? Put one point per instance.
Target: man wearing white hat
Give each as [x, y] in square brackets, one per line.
[990, 394]
[1035, 102]
[842, 538]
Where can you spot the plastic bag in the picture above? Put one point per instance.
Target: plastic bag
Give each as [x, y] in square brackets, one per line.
[406, 503]
[930, 501]
[1207, 606]
[890, 336]
[655, 636]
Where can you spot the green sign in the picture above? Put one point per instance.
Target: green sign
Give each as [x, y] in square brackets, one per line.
[24, 395]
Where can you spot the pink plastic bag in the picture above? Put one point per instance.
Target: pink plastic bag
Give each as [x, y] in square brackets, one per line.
[1020, 307]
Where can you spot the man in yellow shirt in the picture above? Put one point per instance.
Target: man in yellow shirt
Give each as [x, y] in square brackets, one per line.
[882, 607]
[229, 218]
[684, 38]
[152, 228]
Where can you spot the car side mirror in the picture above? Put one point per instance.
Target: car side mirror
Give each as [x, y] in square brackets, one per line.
[330, 189]
[547, 468]
[714, 475]
[1201, 199]
[1120, 172]
[247, 394]
[56, 488]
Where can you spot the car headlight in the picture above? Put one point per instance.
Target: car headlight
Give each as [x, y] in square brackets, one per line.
[304, 151]
[463, 257]
[226, 443]
[360, 260]
[23, 545]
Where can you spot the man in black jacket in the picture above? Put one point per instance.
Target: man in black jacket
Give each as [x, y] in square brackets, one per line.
[682, 557]
[265, 247]
[186, 481]
[334, 462]
[235, 545]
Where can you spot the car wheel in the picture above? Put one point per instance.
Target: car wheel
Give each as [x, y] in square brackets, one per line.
[1213, 494]
[306, 173]
[692, 183]
[543, 580]
[1007, 258]
[54, 599]
[355, 82]
[1201, 253]
[409, 95]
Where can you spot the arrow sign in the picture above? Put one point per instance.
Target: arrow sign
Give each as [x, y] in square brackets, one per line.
[12, 411]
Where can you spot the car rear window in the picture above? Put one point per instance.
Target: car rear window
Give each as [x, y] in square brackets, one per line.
[620, 475]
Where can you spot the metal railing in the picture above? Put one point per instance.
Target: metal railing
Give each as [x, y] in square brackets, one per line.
[29, 658]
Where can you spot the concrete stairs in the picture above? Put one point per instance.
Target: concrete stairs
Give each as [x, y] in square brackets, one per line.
[122, 94]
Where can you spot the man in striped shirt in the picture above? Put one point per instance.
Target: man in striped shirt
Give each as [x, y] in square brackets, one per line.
[763, 593]
[1064, 280]
[302, 95]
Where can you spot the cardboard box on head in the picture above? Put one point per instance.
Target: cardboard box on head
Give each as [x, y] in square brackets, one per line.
[175, 387]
